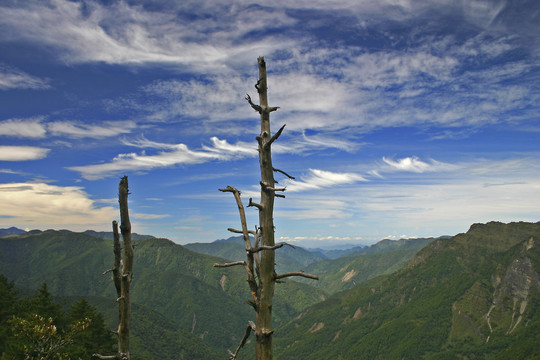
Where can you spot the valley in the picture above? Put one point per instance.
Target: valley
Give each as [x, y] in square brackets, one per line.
[465, 296]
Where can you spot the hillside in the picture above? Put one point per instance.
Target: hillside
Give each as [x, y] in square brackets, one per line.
[384, 257]
[169, 279]
[288, 258]
[472, 296]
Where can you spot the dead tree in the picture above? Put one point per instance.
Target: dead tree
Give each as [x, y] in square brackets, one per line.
[260, 264]
[122, 273]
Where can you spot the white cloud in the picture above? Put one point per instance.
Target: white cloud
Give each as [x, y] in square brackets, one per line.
[143, 216]
[413, 164]
[22, 153]
[331, 87]
[317, 207]
[301, 143]
[212, 99]
[77, 130]
[220, 149]
[119, 33]
[318, 179]
[226, 151]
[478, 190]
[142, 162]
[24, 128]
[144, 143]
[171, 155]
[40, 205]
[11, 78]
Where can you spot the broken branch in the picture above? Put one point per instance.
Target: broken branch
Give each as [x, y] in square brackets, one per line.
[243, 263]
[264, 247]
[299, 273]
[266, 187]
[255, 107]
[242, 343]
[284, 173]
[251, 203]
[240, 231]
[104, 357]
[275, 136]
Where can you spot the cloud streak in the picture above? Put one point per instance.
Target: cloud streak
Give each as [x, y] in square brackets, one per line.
[22, 153]
[78, 130]
[319, 179]
[219, 149]
[414, 164]
[11, 78]
[23, 128]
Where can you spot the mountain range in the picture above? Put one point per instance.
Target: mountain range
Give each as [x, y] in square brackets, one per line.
[471, 296]
[185, 293]
[335, 272]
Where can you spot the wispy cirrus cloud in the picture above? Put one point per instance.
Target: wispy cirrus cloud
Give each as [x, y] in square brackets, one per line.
[143, 216]
[36, 128]
[11, 78]
[332, 87]
[178, 154]
[121, 33]
[318, 179]
[219, 149]
[80, 130]
[181, 155]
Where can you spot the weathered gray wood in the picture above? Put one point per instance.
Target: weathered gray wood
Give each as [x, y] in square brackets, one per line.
[122, 273]
[127, 266]
[262, 253]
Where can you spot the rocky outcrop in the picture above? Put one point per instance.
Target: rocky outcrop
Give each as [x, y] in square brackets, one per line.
[512, 292]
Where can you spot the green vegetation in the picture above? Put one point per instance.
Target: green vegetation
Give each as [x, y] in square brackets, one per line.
[288, 258]
[384, 257]
[37, 327]
[434, 307]
[176, 285]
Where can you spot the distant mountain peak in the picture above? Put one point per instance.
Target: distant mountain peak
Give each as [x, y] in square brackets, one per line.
[11, 231]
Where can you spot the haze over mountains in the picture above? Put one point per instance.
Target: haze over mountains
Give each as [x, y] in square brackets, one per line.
[474, 295]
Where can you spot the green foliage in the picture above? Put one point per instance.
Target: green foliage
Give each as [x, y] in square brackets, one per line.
[179, 285]
[8, 297]
[96, 338]
[412, 313]
[41, 339]
[432, 308]
[38, 328]
[346, 272]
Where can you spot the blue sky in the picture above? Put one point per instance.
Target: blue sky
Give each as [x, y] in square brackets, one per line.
[404, 118]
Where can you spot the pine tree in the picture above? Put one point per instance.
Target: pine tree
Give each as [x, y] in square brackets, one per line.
[8, 298]
[95, 338]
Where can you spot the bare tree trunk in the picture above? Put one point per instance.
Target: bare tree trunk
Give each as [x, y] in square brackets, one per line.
[261, 268]
[122, 273]
[127, 266]
[263, 320]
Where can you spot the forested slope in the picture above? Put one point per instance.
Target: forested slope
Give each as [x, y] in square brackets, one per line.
[473, 296]
[194, 298]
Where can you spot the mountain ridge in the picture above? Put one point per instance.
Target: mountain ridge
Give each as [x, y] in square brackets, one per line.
[435, 307]
[168, 278]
